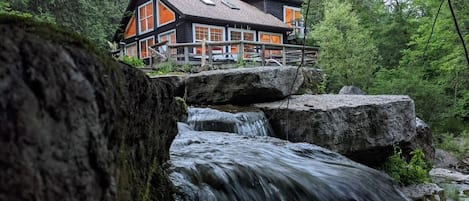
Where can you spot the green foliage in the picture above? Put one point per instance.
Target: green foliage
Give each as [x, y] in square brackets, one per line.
[132, 61]
[458, 145]
[348, 54]
[406, 173]
[163, 69]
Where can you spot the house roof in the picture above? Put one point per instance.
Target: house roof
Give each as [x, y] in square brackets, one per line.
[247, 14]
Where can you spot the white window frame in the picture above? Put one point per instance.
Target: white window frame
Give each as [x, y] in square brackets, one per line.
[163, 48]
[271, 33]
[285, 12]
[140, 48]
[138, 19]
[158, 14]
[208, 26]
[130, 44]
[242, 31]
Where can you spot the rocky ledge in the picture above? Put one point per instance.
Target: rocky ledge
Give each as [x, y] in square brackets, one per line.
[76, 125]
[364, 128]
[242, 86]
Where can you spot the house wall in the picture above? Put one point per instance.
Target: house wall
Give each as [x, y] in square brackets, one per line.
[274, 7]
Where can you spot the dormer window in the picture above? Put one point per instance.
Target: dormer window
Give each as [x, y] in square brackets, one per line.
[208, 2]
[145, 17]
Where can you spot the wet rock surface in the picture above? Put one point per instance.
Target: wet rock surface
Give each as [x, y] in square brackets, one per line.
[242, 86]
[77, 126]
[424, 192]
[364, 128]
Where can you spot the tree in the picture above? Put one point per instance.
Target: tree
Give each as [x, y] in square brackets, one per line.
[348, 54]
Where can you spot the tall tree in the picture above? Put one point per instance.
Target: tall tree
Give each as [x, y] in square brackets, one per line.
[348, 54]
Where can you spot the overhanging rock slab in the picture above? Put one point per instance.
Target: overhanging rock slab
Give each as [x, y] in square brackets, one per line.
[364, 128]
[243, 85]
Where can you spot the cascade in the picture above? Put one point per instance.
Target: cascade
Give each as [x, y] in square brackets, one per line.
[219, 165]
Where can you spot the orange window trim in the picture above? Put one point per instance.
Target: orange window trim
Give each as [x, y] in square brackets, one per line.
[165, 14]
[131, 29]
[288, 17]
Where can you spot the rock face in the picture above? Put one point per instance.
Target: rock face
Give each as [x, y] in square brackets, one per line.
[423, 140]
[77, 126]
[363, 128]
[242, 86]
[312, 81]
[424, 192]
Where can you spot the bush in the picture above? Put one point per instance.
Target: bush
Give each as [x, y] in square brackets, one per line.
[132, 61]
[406, 173]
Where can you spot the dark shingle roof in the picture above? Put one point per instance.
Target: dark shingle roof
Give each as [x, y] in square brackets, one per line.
[247, 14]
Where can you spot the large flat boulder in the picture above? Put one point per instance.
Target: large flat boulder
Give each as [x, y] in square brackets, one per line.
[364, 128]
[243, 85]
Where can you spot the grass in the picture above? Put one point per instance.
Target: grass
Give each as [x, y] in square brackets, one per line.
[457, 144]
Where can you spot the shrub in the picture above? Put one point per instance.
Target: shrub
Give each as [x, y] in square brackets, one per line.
[132, 61]
[406, 173]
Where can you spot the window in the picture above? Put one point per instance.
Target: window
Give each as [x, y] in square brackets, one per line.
[131, 50]
[208, 2]
[273, 38]
[169, 36]
[145, 17]
[241, 34]
[144, 45]
[209, 33]
[131, 29]
[292, 17]
[230, 4]
[165, 15]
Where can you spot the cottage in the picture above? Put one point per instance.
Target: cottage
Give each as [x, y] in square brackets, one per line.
[148, 22]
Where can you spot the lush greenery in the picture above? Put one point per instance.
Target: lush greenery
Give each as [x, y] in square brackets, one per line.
[132, 61]
[96, 20]
[385, 47]
[413, 172]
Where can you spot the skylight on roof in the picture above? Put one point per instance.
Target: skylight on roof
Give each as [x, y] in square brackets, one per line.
[230, 4]
[208, 2]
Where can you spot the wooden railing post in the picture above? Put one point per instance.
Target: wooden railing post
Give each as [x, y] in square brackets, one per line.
[263, 54]
[210, 55]
[202, 59]
[186, 55]
[241, 50]
[284, 56]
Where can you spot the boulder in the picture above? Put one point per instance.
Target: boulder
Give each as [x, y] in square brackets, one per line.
[423, 140]
[424, 192]
[444, 159]
[76, 125]
[312, 81]
[364, 128]
[445, 175]
[243, 85]
[351, 90]
[176, 80]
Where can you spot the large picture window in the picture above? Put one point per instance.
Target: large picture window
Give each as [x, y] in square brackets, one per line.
[144, 45]
[209, 33]
[145, 17]
[241, 34]
[292, 17]
[165, 15]
[131, 50]
[273, 38]
[169, 36]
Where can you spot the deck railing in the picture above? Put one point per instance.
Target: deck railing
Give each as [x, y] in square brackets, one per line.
[212, 53]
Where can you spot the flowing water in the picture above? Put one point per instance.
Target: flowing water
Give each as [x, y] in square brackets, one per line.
[211, 165]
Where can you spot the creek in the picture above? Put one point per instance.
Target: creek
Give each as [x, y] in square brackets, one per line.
[229, 156]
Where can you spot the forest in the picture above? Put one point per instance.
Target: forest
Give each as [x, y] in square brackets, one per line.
[412, 47]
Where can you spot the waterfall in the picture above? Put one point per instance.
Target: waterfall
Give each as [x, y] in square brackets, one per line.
[250, 123]
[224, 166]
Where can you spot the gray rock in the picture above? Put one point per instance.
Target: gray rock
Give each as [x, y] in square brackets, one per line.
[312, 81]
[364, 128]
[351, 90]
[424, 192]
[242, 86]
[76, 126]
[445, 175]
[178, 82]
[444, 159]
[423, 140]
